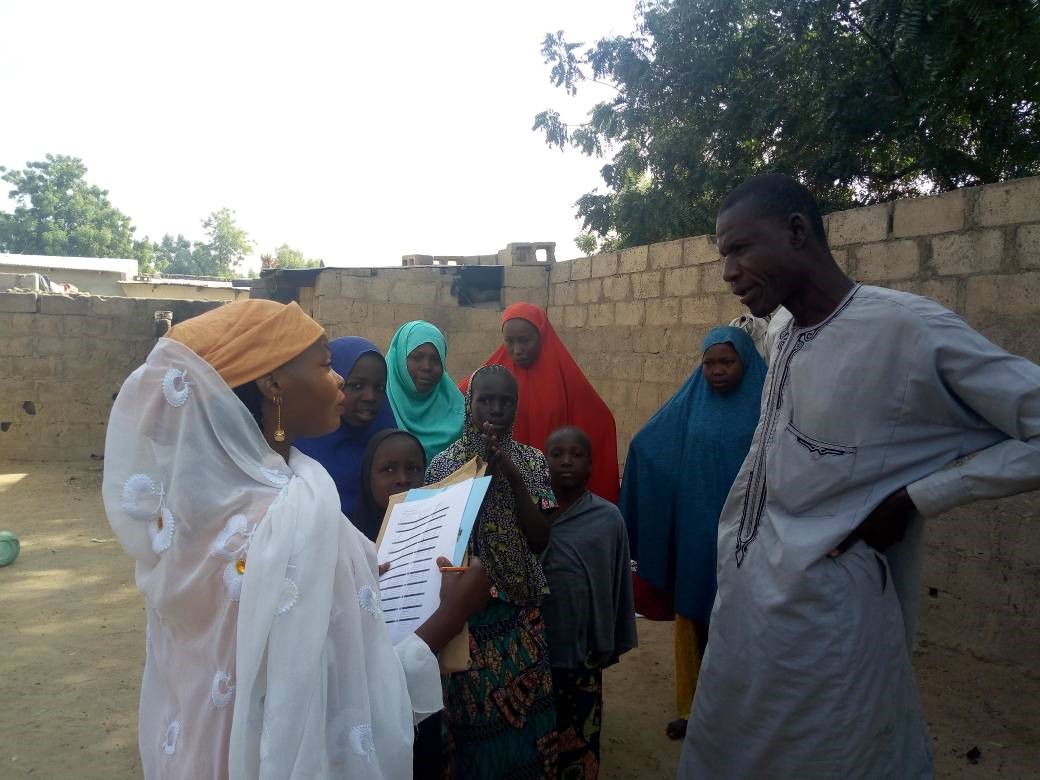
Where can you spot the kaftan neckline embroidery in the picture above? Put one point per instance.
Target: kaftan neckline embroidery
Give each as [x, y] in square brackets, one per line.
[755, 495]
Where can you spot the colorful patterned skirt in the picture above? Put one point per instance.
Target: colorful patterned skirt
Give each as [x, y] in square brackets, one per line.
[578, 694]
[498, 716]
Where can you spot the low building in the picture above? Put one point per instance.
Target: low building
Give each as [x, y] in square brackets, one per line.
[95, 275]
[185, 288]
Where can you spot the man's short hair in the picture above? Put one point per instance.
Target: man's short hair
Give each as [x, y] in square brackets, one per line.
[777, 195]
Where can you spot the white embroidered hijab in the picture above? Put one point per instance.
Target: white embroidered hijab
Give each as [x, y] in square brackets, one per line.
[267, 655]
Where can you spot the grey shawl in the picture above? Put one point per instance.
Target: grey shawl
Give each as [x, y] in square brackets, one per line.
[589, 613]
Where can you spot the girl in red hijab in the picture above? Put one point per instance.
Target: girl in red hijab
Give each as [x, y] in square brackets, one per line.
[553, 392]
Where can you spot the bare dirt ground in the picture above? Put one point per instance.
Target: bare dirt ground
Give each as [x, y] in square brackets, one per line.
[72, 644]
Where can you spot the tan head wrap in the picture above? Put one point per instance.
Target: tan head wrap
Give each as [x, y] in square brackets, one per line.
[246, 339]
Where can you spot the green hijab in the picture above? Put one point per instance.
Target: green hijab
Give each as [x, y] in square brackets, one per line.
[435, 419]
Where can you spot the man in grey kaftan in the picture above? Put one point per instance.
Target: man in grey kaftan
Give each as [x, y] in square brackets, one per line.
[807, 672]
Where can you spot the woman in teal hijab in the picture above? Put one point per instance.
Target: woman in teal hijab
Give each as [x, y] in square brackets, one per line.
[424, 398]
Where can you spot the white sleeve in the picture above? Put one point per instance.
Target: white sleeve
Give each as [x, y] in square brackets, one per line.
[1004, 390]
[423, 673]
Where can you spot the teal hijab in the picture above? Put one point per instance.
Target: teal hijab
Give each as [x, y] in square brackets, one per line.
[435, 418]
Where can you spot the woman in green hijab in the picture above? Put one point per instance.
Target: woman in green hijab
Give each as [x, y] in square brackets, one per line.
[424, 398]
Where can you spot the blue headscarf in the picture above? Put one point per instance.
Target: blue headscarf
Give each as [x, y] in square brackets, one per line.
[342, 451]
[679, 470]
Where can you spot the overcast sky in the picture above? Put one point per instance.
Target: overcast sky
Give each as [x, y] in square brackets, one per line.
[357, 133]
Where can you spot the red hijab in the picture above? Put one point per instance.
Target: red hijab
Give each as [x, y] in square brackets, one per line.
[554, 392]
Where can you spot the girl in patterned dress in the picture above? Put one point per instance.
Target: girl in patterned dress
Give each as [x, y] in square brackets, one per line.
[499, 716]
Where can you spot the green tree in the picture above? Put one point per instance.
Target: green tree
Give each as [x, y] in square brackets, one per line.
[226, 246]
[58, 213]
[176, 256]
[863, 100]
[287, 257]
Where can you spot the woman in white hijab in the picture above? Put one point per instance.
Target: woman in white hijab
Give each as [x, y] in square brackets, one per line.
[267, 655]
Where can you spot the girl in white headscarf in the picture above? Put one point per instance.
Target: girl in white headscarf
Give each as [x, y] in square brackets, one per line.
[267, 655]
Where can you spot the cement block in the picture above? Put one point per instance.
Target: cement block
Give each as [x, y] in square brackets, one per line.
[421, 276]
[589, 290]
[666, 371]
[887, 260]
[662, 311]
[626, 366]
[59, 345]
[927, 216]
[648, 340]
[555, 313]
[646, 285]
[605, 265]
[616, 288]
[65, 304]
[699, 250]
[966, 253]
[667, 254]
[560, 272]
[1027, 246]
[16, 346]
[575, 316]
[942, 291]
[379, 289]
[404, 291]
[701, 310]
[531, 276]
[536, 296]
[485, 319]
[75, 325]
[18, 302]
[564, 294]
[328, 282]
[634, 259]
[355, 288]
[1009, 203]
[730, 308]
[711, 278]
[45, 367]
[630, 313]
[581, 268]
[1003, 295]
[132, 309]
[601, 315]
[684, 342]
[682, 281]
[648, 396]
[858, 226]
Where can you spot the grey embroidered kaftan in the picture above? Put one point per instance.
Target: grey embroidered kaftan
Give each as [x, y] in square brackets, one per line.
[807, 672]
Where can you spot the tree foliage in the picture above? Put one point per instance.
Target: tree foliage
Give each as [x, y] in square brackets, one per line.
[227, 244]
[864, 101]
[58, 213]
[287, 257]
[224, 249]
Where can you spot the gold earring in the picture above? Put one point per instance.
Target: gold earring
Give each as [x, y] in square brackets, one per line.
[279, 434]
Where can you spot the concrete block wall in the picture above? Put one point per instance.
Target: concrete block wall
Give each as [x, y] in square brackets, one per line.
[62, 359]
[374, 302]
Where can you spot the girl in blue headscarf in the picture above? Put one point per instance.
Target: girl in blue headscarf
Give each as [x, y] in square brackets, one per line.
[679, 470]
[424, 398]
[366, 412]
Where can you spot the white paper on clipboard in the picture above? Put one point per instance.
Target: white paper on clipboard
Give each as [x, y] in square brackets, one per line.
[416, 534]
[478, 490]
